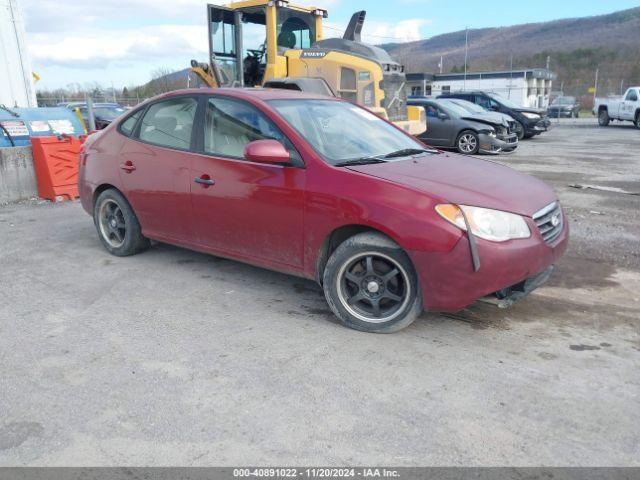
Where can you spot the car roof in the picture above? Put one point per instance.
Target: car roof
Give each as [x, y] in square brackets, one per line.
[260, 93]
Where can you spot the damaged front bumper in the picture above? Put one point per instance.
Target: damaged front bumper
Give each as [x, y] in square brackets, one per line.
[506, 297]
[497, 144]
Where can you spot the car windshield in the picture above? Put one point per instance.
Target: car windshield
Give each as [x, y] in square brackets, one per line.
[563, 101]
[341, 132]
[505, 101]
[453, 108]
[470, 107]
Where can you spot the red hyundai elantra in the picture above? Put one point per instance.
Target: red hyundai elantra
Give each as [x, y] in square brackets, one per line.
[323, 189]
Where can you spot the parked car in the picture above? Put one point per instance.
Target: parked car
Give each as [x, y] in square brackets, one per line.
[324, 189]
[104, 114]
[530, 121]
[564, 106]
[450, 125]
[625, 108]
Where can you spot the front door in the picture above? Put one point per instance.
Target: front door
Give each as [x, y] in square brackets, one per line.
[155, 168]
[438, 127]
[248, 210]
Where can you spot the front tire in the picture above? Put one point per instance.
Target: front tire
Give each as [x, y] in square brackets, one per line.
[370, 284]
[468, 143]
[637, 120]
[117, 225]
[520, 130]
[603, 118]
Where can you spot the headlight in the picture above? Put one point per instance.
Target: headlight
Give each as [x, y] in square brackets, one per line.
[491, 133]
[530, 115]
[493, 225]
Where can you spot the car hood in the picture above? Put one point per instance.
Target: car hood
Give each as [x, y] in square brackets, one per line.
[466, 181]
[539, 111]
[488, 118]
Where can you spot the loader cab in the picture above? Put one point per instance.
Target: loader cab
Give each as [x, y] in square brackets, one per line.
[245, 41]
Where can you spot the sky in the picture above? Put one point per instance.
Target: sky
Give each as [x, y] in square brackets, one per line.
[121, 42]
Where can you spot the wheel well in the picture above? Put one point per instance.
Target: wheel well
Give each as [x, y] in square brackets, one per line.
[637, 113]
[333, 241]
[102, 188]
[603, 107]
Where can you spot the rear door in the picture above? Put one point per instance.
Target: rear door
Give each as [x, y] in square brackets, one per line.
[249, 210]
[155, 168]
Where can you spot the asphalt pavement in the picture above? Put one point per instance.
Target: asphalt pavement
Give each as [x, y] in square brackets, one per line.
[174, 357]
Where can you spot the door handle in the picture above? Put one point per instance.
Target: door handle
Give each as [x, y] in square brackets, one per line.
[128, 166]
[205, 180]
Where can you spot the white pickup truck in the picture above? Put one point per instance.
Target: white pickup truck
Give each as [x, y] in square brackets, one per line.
[622, 108]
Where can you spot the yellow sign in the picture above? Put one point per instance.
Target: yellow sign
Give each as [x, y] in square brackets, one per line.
[592, 89]
[36, 77]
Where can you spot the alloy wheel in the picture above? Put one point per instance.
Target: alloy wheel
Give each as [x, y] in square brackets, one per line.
[112, 223]
[373, 287]
[468, 143]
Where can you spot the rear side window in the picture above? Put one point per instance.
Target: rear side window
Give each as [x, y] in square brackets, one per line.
[129, 124]
[169, 123]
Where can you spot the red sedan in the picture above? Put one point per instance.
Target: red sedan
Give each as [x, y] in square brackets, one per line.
[323, 189]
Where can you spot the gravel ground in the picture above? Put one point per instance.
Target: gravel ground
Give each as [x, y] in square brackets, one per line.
[178, 358]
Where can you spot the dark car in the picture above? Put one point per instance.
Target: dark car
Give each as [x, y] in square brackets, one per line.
[450, 125]
[323, 189]
[530, 121]
[104, 113]
[564, 107]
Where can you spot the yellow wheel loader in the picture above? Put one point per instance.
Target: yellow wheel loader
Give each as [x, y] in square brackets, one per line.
[272, 43]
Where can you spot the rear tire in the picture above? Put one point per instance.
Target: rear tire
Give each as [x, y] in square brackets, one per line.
[117, 225]
[637, 120]
[468, 143]
[370, 284]
[603, 118]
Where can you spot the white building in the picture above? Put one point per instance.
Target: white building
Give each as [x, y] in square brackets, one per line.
[527, 88]
[16, 79]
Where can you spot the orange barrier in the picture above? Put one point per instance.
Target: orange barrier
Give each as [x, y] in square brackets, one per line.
[56, 162]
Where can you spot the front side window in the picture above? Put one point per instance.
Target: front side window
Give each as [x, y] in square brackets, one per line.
[230, 125]
[632, 96]
[296, 29]
[431, 111]
[169, 123]
[340, 131]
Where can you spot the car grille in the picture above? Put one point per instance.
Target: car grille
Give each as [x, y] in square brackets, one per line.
[549, 221]
[512, 127]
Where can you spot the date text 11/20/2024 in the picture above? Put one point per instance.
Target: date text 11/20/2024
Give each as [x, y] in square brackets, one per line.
[316, 472]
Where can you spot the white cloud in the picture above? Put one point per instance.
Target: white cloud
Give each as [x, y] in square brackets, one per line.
[377, 32]
[82, 49]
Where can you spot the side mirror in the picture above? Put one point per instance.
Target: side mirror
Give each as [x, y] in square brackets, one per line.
[442, 116]
[495, 108]
[266, 151]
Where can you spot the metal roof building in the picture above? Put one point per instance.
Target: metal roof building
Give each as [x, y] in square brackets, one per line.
[526, 87]
[16, 80]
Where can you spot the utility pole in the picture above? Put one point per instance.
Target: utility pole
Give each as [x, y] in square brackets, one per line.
[466, 55]
[595, 88]
[510, 76]
[622, 86]
[440, 64]
[548, 61]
